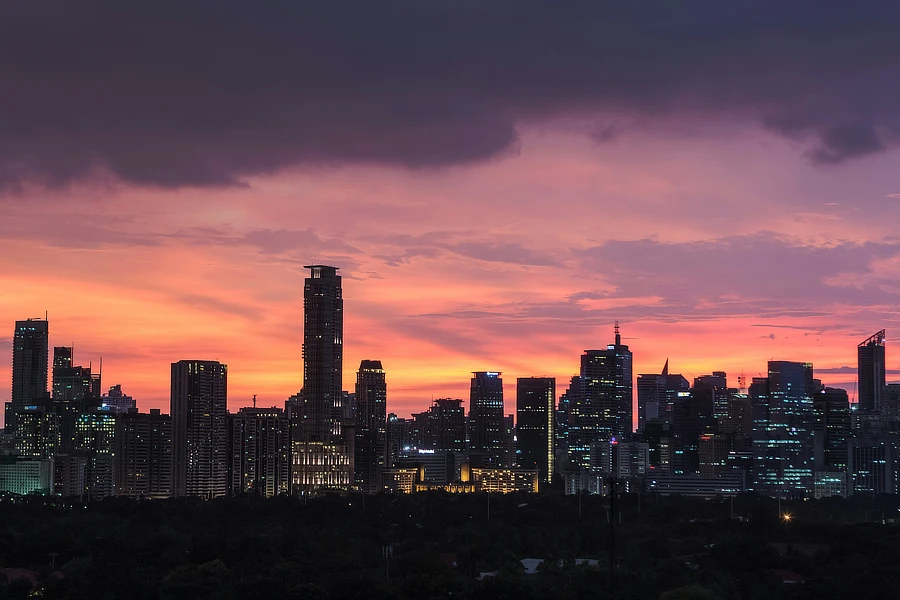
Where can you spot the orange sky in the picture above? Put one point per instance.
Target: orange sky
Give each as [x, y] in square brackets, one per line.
[718, 251]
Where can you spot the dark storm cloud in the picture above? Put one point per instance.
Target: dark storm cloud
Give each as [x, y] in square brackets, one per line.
[200, 92]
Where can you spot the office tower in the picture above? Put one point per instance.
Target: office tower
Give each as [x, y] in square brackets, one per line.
[508, 431]
[486, 419]
[73, 383]
[873, 463]
[37, 433]
[599, 404]
[870, 364]
[29, 368]
[117, 401]
[69, 478]
[535, 434]
[608, 387]
[713, 389]
[692, 418]
[258, 456]
[398, 434]
[371, 421]
[76, 390]
[442, 426]
[783, 429]
[831, 429]
[657, 394]
[26, 476]
[144, 455]
[95, 439]
[199, 430]
[322, 455]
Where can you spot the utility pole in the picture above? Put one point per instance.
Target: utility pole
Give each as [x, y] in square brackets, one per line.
[613, 490]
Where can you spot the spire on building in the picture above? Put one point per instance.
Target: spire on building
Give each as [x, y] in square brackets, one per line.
[665, 371]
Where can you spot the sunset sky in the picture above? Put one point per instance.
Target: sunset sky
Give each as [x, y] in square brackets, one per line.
[497, 181]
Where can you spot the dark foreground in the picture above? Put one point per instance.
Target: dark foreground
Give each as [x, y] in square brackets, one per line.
[439, 545]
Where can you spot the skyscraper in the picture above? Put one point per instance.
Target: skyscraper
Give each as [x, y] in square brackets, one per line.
[783, 429]
[371, 421]
[870, 365]
[144, 455]
[535, 435]
[599, 404]
[258, 456]
[321, 453]
[444, 426]
[29, 368]
[76, 390]
[199, 429]
[486, 419]
[656, 395]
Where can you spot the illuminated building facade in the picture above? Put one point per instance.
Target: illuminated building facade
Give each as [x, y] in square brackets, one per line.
[199, 429]
[37, 433]
[29, 368]
[871, 370]
[117, 401]
[24, 476]
[144, 455]
[535, 418]
[783, 420]
[95, 438]
[371, 424]
[486, 431]
[501, 481]
[599, 403]
[321, 453]
[258, 455]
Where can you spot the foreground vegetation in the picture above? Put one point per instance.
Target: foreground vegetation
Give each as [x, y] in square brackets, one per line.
[440, 545]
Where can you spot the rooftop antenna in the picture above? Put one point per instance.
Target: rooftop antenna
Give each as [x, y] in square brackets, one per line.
[254, 400]
[618, 336]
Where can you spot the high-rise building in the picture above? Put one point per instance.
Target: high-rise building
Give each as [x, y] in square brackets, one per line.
[657, 393]
[608, 387]
[199, 430]
[117, 401]
[870, 365]
[443, 426]
[29, 368]
[713, 389]
[831, 430]
[37, 433]
[486, 419]
[76, 390]
[144, 455]
[371, 422]
[783, 429]
[599, 404]
[321, 453]
[535, 417]
[398, 434]
[95, 439]
[873, 465]
[258, 456]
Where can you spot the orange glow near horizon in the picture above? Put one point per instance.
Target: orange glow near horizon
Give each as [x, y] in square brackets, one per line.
[516, 266]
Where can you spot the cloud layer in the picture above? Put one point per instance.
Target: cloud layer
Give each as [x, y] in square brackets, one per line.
[192, 92]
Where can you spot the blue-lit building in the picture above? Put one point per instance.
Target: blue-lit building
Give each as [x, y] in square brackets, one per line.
[783, 422]
[486, 430]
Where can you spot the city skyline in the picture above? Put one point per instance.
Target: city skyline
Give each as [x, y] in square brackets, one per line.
[832, 377]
